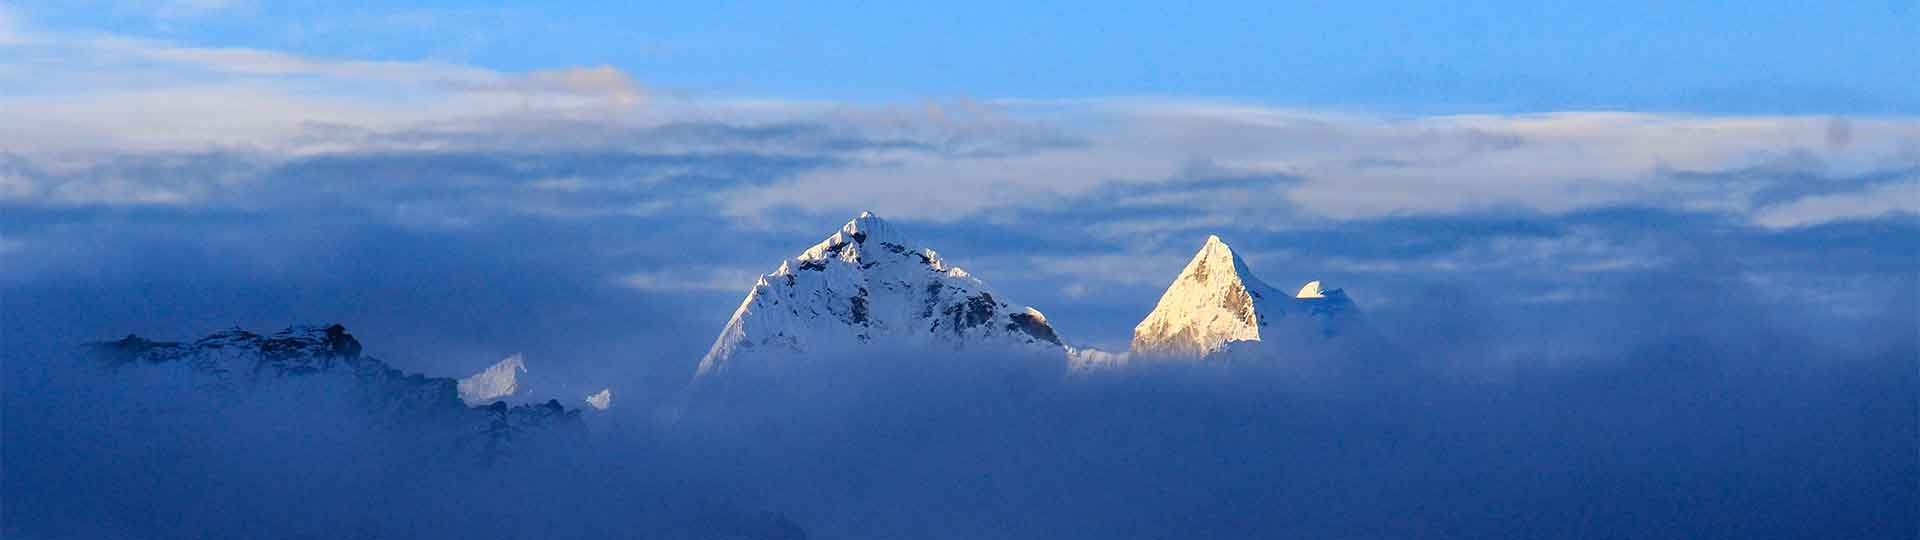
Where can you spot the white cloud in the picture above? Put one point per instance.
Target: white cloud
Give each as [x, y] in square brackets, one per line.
[1877, 201]
[105, 93]
[87, 97]
[691, 280]
[1354, 165]
[602, 82]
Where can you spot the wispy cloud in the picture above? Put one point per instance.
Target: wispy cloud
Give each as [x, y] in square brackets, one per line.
[1890, 199]
[695, 279]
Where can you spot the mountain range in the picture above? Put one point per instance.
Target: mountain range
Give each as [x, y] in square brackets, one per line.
[452, 415]
[866, 286]
[869, 285]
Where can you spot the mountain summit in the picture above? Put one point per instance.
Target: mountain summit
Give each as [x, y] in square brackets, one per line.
[868, 283]
[1217, 302]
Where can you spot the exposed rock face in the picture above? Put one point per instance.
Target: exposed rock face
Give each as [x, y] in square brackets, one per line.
[236, 355]
[868, 284]
[1217, 302]
[237, 361]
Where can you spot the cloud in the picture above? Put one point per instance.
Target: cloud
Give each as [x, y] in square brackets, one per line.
[603, 81]
[146, 94]
[1893, 198]
[1356, 165]
[692, 279]
[107, 98]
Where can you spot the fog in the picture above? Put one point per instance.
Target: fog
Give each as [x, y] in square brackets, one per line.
[1714, 415]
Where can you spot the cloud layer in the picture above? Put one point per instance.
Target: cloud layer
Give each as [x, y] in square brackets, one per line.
[587, 189]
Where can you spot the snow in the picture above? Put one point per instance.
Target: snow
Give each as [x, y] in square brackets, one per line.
[601, 400]
[1217, 302]
[500, 380]
[869, 284]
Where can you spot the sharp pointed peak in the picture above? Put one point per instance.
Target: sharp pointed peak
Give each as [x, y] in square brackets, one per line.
[1217, 263]
[1217, 247]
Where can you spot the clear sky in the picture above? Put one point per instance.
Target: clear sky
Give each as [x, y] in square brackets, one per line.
[1721, 57]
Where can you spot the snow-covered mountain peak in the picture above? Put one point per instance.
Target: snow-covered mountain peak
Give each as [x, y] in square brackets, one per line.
[859, 237]
[1218, 302]
[1215, 300]
[867, 283]
[1217, 264]
[1311, 290]
[498, 381]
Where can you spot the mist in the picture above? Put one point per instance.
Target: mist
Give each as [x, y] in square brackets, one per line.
[1729, 420]
[1723, 425]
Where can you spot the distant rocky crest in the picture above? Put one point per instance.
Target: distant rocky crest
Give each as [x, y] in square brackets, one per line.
[237, 361]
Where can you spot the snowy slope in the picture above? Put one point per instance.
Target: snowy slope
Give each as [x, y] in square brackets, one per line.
[498, 381]
[1217, 302]
[869, 284]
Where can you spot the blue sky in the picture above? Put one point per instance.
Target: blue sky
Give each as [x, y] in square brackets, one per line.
[1751, 57]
